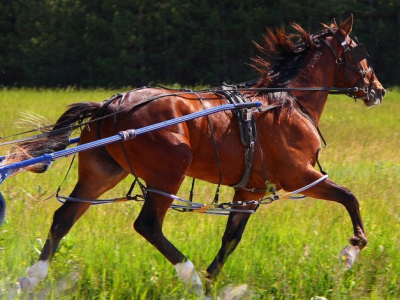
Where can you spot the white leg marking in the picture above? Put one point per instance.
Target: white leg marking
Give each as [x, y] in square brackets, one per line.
[187, 273]
[348, 255]
[34, 275]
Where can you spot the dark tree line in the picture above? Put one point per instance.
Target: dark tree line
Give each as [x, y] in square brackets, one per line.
[116, 43]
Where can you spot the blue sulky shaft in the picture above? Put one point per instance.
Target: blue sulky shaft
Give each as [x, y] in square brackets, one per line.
[121, 136]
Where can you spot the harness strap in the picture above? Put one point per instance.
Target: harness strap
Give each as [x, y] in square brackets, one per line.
[244, 116]
[305, 113]
[319, 165]
[338, 60]
[247, 129]
[216, 197]
[106, 102]
[121, 143]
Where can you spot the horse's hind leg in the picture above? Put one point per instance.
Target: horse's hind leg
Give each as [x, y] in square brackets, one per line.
[230, 240]
[63, 220]
[94, 180]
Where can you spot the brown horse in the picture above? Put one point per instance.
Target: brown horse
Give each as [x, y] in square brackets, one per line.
[285, 151]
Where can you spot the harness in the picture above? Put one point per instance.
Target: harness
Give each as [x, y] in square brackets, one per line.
[248, 138]
[247, 129]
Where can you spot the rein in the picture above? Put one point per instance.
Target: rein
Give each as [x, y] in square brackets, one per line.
[357, 54]
[183, 92]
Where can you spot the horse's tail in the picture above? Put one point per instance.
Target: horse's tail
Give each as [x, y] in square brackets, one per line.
[63, 128]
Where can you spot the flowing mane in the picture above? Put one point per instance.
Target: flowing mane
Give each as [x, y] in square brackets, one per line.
[282, 56]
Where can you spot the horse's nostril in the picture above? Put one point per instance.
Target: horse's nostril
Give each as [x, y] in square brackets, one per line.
[383, 92]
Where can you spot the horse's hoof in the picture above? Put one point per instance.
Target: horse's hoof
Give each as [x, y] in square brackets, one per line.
[23, 285]
[208, 297]
[235, 293]
[348, 255]
[197, 290]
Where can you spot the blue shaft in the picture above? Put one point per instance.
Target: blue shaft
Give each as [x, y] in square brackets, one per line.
[5, 170]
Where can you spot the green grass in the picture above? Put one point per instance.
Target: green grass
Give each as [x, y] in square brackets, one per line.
[289, 249]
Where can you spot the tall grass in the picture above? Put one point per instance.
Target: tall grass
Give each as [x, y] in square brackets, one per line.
[289, 249]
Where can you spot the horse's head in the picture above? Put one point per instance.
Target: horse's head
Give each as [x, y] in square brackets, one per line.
[352, 66]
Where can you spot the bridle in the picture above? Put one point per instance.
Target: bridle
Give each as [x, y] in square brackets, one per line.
[356, 54]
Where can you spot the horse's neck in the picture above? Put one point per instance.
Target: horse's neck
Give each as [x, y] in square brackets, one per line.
[313, 101]
[313, 76]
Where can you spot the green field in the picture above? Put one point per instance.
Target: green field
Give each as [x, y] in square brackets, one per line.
[289, 249]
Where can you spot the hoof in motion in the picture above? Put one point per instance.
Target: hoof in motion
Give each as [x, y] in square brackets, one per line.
[23, 285]
[235, 293]
[208, 297]
[348, 255]
[196, 289]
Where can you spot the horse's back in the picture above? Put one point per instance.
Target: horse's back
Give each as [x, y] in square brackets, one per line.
[183, 149]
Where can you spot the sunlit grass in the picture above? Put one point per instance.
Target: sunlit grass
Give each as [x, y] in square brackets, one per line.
[289, 250]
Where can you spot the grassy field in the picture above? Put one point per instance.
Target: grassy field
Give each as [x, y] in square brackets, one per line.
[289, 250]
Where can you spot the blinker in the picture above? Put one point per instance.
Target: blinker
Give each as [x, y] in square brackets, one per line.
[358, 53]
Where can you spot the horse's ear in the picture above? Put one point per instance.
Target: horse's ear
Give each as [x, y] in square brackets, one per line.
[347, 25]
[333, 23]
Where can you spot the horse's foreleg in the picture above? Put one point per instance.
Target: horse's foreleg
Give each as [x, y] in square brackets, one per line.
[233, 234]
[149, 225]
[329, 190]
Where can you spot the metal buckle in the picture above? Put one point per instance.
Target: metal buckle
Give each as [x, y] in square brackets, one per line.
[365, 89]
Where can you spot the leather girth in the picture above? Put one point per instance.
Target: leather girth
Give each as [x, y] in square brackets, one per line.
[247, 129]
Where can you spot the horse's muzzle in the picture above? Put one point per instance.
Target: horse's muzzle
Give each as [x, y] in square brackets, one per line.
[374, 97]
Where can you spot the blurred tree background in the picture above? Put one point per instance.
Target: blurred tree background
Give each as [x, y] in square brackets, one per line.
[120, 43]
